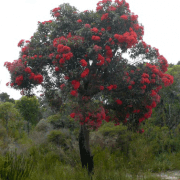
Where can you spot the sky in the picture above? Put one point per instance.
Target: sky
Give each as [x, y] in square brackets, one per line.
[19, 19]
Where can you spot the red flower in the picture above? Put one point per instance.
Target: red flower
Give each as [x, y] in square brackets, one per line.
[104, 16]
[56, 69]
[40, 56]
[143, 87]
[62, 61]
[21, 42]
[109, 28]
[75, 84]
[74, 93]
[96, 38]
[28, 70]
[87, 26]
[101, 59]
[114, 86]
[95, 30]
[57, 14]
[130, 87]
[72, 115]
[83, 62]
[66, 49]
[79, 21]
[153, 93]
[62, 86]
[56, 9]
[85, 73]
[110, 87]
[111, 8]
[38, 78]
[134, 17]
[51, 55]
[108, 60]
[19, 80]
[124, 17]
[101, 88]
[97, 48]
[66, 77]
[12, 84]
[118, 101]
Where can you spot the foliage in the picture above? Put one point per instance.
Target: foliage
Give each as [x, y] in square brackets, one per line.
[14, 166]
[59, 138]
[10, 116]
[29, 108]
[4, 97]
[167, 112]
[43, 125]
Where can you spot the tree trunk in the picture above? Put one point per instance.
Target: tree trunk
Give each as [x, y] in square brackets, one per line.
[85, 153]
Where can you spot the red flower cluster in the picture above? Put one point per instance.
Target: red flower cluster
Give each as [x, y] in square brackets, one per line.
[101, 88]
[112, 87]
[21, 42]
[15, 66]
[28, 70]
[163, 63]
[83, 63]
[19, 80]
[104, 16]
[38, 78]
[111, 8]
[125, 17]
[97, 48]
[62, 86]
[128, 37]
[75, 84]
[74, 93]
[96, 38]
[79, 21]
[109, 53]
[55, 11]
[95, 30]
[63, 49]
[134, 17]
[85, 73]
[118, 101]
[101, 59]
[87, 26]
[56, 69]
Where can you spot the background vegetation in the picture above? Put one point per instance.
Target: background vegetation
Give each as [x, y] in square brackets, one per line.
[50, 149]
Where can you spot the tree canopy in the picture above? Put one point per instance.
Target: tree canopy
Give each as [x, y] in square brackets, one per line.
[82, 53]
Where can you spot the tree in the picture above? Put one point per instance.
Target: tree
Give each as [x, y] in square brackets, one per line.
[29, 108]
[8, 112]
[167, 112]
[4, 97]
[81, 53]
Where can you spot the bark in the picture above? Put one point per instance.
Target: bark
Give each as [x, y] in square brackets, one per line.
[85, 153]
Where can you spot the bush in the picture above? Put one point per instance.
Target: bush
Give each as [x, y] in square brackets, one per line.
[59, 138]
[43, 126]
[15, 166]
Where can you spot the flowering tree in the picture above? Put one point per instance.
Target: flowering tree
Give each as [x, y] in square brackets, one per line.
[82, 54]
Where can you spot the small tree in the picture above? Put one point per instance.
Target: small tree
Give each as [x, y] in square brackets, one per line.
[81, 53]
[4, 97]
[8, 112]
[29, 108]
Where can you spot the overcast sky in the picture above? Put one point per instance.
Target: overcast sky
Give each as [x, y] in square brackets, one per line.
[19, 18]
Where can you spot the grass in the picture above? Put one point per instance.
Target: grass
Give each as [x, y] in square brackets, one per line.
[141, 156]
